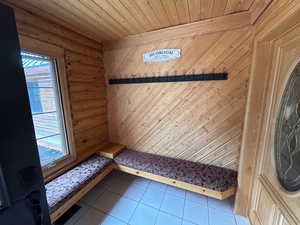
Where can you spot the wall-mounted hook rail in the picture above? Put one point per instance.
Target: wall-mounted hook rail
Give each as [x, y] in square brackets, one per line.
[176, 78]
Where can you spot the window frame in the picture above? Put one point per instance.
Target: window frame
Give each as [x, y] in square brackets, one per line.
[58, 55]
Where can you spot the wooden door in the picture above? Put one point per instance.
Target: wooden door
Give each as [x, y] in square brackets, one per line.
[275, 197]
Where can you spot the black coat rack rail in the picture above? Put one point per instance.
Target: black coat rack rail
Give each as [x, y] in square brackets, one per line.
[177, 78]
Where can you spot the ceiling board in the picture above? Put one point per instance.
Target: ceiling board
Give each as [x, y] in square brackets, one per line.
[222, 23]
[113, 19]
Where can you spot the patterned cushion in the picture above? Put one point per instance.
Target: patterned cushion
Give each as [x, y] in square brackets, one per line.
[67, 185]
[212, 177]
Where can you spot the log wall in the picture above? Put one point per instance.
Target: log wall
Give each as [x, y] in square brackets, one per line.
[85, 75]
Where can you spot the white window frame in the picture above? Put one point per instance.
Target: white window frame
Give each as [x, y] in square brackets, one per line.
[58, 55]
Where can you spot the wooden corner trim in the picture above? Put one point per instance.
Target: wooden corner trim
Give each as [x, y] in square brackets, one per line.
[257, 9]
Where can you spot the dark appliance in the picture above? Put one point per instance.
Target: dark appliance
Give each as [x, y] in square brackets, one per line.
[22, 190]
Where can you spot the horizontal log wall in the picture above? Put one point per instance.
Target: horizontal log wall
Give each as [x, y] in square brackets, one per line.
[198, 121]
[85, 74]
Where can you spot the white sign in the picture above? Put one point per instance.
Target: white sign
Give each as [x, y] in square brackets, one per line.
[161, 55]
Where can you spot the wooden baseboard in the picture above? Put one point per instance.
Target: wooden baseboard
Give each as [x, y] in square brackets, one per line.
[179, 184]
[61, 210]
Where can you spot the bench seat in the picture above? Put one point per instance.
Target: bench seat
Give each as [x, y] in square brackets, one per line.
[211, 179]
[63, 188]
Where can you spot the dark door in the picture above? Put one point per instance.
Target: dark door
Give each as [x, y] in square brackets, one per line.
[22, 191]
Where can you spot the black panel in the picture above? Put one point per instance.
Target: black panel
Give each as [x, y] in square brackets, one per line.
[179, 78]
[22, 183]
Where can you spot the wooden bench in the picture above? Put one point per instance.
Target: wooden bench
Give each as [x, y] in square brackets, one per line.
[111, 150]
[64, 191]
[212, 181]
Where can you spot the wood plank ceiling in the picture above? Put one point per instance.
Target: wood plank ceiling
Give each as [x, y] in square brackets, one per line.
[113, 19]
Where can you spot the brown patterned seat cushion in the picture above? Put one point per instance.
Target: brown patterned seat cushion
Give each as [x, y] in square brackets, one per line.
[67, 185]
[212, 177]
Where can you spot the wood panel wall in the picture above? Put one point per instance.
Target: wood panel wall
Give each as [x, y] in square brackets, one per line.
[85, 74]
[198, 121]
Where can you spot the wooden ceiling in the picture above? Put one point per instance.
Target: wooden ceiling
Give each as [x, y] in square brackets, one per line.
[113, 19]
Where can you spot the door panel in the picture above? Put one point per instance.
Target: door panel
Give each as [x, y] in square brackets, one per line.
[21, 180]
[264, 213]
[271, 203]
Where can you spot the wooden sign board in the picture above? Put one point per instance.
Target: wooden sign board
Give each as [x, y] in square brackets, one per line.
[161, 55]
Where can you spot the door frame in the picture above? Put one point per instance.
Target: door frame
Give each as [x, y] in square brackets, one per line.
[277, 20]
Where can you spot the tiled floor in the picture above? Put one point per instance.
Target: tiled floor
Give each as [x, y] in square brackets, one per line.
[122, 199]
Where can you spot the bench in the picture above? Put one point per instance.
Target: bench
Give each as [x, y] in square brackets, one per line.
[213, 181]
[64, 191]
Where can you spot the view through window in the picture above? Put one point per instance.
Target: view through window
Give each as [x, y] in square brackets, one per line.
[45, 103]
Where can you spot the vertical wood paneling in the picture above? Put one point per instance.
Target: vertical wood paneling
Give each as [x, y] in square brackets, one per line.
[135, 11]
[171, 11]
[149, 13]
[219, 8]
[183, 11]
[195, 13]
[160, 12]
[126, 14]
[198, 121]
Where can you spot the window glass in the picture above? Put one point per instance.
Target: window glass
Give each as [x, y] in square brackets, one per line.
[287, 136]
[46, 107]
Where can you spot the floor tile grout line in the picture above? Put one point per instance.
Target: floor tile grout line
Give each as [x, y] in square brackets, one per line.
[138, 204]
[90, 207]
[208, 217]
[210, 207]
[183, 207]
[164, 195]
[235, 220]
[79, 216]
[159, 209]
[121, 195]
[106, 213]
[156, 221]
[181, 218]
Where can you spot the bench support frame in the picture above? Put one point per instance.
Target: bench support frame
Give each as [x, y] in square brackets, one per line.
[179, 184]
[65, 207]
[111, 153]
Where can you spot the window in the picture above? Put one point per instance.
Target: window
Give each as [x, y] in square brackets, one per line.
[49, 102]
[287, 140]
